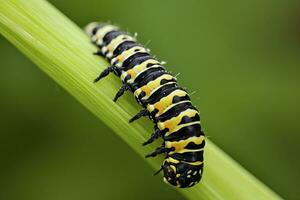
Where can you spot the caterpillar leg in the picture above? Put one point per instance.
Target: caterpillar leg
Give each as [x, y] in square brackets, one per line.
[158, 150]
[142, 113]
[121, 91]
[160, 169]
[98, 53]
[157, 133]
[104, 73]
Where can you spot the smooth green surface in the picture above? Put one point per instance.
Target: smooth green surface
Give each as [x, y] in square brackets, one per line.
[247, 60]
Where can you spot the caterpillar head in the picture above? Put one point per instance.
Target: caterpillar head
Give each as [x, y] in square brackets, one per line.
[181, 174]
[98, 30]
[91, 28]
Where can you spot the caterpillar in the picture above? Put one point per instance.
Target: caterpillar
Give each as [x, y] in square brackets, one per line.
[166, 104]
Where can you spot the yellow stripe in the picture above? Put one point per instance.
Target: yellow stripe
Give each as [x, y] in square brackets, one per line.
[147, 97]
[194, 163]
[181, 126]
[152, 85]
[138, 69]
[141, 67]
[138, 91]
[98, 37]
[115, 43]
[165, 102]
[174, 121]
[145, 69]
[172, 160]
[126, 54]
[187, 150]
[174, 168]
[171, 106]
[181, 144]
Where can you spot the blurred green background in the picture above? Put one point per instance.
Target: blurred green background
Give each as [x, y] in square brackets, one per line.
[242, 58]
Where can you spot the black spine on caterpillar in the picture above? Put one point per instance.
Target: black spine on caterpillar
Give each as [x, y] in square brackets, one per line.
[176, 120]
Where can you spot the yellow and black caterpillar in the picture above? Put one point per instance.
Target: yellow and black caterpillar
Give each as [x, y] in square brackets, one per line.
[168, 105]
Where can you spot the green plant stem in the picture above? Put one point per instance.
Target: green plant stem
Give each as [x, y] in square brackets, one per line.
[61, 49]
